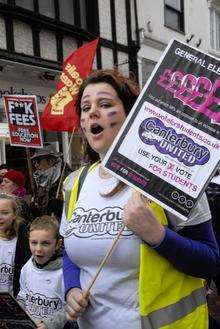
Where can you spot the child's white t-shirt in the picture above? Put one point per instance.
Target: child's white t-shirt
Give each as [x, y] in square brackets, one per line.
[41, 290]
[7, 257]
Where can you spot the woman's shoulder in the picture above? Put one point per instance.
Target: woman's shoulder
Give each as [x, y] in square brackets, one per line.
[70, 179]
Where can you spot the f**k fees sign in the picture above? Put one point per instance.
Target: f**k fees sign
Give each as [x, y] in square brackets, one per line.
[23, 120]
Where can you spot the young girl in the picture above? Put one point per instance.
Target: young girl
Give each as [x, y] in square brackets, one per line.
[14, 250]
[41, 282]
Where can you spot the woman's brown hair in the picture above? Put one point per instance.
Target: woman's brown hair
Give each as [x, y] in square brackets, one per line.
[127, 90]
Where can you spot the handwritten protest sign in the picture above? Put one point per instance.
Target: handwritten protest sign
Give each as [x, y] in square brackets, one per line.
[169, 146]
[12, 315]
[23, 120]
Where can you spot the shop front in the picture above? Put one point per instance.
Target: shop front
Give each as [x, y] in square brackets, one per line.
[17, 79]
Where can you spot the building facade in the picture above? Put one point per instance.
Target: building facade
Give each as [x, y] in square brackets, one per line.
[195, 22]
[36, 36]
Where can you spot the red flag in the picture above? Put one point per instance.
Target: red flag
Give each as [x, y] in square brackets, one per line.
[59, 113]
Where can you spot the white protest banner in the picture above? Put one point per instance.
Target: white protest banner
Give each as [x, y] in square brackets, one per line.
[169, 146]
[23, 120]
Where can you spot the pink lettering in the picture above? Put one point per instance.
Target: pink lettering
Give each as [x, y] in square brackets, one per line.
[198, 93]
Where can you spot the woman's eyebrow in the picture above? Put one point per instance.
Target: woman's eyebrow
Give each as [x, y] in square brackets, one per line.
[99, 94]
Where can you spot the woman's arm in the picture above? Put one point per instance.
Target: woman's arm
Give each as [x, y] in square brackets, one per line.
[71, 273]
[193, 250]
[76, 301]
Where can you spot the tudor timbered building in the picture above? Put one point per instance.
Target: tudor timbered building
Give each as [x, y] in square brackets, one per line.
[36, 36]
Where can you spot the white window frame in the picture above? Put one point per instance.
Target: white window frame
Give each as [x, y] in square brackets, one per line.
[214, 33]
[180, 14]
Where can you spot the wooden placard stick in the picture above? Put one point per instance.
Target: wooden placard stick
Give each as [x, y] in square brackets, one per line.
[104, 261]
[30, 171]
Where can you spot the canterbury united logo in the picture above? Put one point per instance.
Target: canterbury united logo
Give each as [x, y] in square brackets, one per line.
[40, 305]
[93, 222]
[6, 273]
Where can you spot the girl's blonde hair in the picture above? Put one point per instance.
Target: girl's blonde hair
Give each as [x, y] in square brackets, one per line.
[12, 231]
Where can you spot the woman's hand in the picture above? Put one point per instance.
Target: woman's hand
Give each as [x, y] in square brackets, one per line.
[41, 325]
[76, 303]
[139, 218]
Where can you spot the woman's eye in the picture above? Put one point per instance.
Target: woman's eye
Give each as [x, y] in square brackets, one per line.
[105, 105]
[85, 108]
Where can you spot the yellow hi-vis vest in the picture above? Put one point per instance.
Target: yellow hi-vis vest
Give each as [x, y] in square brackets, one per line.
[168, 298]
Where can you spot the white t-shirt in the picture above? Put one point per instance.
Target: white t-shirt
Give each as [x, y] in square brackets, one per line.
[95, 223]
[7, 257]
[41, 290]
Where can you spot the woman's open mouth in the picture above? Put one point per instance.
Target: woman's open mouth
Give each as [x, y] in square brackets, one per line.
[96, 129]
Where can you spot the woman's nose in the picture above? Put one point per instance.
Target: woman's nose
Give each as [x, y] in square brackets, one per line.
[94, 111]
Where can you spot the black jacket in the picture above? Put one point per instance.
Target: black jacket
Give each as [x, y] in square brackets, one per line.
[22, 254]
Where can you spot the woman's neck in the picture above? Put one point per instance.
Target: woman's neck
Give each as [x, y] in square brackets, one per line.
[101, 155]
[104, 173]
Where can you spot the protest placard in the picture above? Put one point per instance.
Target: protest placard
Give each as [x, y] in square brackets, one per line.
[12, 314]
[23, 120]
[169, 146]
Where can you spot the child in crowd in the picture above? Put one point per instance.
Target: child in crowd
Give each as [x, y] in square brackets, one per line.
[14, 250]
[41, 282]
